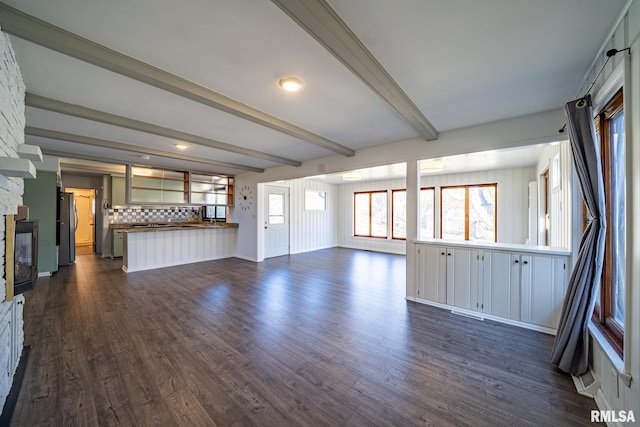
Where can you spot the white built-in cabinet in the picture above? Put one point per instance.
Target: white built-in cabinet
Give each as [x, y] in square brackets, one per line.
[517, 284]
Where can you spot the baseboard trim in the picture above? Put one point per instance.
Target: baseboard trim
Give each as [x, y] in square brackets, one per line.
[12, 398]
[246, 258]
[319, 248]
[386, 251]
[474, 314]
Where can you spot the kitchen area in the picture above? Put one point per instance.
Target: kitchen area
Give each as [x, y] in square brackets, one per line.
[159, 218]
[149, 217]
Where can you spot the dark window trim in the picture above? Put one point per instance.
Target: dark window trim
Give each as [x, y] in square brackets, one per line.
[433, 226]
[386, 192]
[393, 213]
[602, 313]
[466, 207]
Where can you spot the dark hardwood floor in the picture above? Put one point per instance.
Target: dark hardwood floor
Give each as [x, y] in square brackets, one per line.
[322, 338]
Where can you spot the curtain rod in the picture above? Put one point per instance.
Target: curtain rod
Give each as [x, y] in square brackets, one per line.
[610, 53]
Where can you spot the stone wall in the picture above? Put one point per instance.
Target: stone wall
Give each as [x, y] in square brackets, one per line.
[12, 122]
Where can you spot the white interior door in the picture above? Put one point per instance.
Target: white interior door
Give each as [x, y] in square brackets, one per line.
[276, 221]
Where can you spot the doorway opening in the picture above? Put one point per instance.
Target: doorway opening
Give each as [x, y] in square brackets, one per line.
[545, 202]
[85, 201]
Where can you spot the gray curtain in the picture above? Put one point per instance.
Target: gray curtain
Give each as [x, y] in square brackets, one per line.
[570, 349]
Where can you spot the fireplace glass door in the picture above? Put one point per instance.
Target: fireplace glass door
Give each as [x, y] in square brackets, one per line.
[25, 256]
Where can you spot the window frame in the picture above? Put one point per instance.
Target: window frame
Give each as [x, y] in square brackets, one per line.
[370, 193]
[466, 207]
[307, 203]
[277, 215]
[433, 226]
[602, 313]
[393, 213]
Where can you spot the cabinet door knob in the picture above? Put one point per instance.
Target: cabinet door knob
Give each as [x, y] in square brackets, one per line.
[525, 262]
[449, 254]
[442, 253]
[517, 261]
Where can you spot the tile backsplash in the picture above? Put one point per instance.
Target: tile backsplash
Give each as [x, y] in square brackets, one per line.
[137, 214]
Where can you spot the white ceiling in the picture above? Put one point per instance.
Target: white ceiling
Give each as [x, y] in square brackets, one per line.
[460, 62]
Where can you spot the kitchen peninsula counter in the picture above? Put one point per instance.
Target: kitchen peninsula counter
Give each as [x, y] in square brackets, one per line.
[149, 246]
[145, 226]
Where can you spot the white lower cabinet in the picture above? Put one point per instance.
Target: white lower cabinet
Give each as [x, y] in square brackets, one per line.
[432, 273]
[516, 286]
[448, 276]
[544, 284]
[462, 278]
[501, 284]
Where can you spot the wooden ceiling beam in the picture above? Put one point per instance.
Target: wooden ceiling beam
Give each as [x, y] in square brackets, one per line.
[322, 23]
[61, 107]
[96, 142]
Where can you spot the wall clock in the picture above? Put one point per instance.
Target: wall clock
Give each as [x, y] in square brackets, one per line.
[245, 198]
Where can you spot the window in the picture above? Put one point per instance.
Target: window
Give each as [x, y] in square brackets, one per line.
[610, 304]
[370, 214]
[315, 200]
[427, 213]
[399, 210]
[214, 213]
[276, 208]
[468, 212]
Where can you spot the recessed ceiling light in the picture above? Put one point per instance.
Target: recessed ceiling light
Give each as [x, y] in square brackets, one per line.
[181, 146]
[146, 157]
[138, 171]
[352, 176]
[432, 165]
[290, 84]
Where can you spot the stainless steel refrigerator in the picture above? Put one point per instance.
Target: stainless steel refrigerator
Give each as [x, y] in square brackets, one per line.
[67, 223]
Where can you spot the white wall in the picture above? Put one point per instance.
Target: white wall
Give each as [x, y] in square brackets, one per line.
[560, 200]
[11, 134]
[311, 230]
[614, 393]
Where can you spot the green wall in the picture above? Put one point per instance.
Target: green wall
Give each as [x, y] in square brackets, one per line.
[40, 196]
